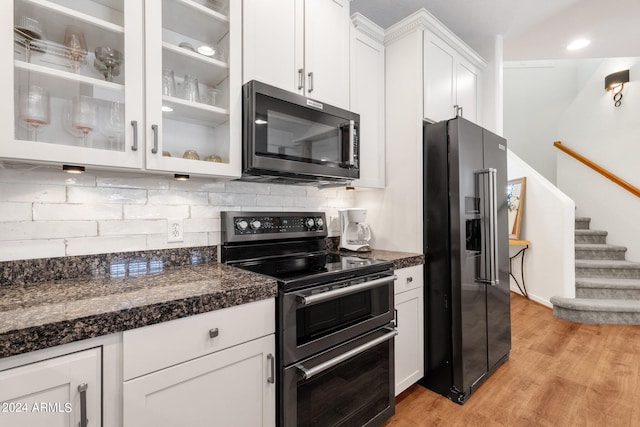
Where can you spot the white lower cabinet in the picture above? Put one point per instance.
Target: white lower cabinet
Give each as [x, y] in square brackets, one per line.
[53, 392]
[233, 387]
[212, 369]
[409, 343]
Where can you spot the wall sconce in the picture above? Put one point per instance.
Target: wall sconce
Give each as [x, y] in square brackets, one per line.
[615, 82]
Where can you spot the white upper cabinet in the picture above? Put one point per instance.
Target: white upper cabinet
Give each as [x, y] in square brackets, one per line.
[367, 98]
[270, 42]
[87, 84]
[326, 54]
[299, 45]
[451, 82]
[193, 96]
[73, 72]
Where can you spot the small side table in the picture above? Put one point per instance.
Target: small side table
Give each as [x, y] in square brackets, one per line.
[525, 245]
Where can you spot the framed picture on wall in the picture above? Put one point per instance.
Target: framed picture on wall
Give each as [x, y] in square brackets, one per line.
[515, 205]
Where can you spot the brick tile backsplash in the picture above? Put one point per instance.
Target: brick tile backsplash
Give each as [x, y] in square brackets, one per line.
[16, 211]
[76, 211]
[45, 213]
[26, 192]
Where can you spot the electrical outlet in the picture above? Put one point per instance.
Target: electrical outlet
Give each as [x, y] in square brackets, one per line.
[174, 230]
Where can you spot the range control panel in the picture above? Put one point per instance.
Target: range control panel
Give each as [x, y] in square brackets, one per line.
[273, 225]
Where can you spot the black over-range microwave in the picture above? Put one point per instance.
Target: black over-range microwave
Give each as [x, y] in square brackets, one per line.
[293, 139]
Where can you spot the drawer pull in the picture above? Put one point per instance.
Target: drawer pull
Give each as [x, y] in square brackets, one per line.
[213, 332]
[409, 279]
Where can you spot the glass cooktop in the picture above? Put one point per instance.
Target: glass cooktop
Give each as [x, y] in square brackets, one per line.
[307, 269]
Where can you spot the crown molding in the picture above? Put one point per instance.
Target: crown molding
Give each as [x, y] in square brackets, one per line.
[423, 20]
[368, 27]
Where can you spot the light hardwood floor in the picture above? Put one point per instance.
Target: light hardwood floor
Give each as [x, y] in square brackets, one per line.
[559, 374]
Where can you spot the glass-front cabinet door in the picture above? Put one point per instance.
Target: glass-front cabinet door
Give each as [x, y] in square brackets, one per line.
[73, 81]
[193, 87]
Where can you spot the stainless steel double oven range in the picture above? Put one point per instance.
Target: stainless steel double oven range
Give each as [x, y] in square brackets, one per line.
[335, 318]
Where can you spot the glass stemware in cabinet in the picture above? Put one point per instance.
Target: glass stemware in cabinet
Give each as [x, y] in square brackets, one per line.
[27, 33]
[34, 108]
[108, 62]
[190, 89]
[112, 125]
[168, 82]
[75, 47]
[84, 116]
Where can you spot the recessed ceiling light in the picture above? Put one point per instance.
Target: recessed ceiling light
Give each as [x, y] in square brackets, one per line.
[578, 44]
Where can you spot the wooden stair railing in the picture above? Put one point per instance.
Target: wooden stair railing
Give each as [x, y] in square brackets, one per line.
[602, 171]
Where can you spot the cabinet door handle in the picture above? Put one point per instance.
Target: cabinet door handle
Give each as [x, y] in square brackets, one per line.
[300, 78]
[154, 129]
[82, 388]
[395, 315]
[213, 333]
[272, 367]
[310, 81]
[134, 124]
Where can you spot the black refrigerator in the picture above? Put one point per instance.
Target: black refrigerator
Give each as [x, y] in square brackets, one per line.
[467, 307]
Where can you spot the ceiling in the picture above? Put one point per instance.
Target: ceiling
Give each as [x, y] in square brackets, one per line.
[531, 30]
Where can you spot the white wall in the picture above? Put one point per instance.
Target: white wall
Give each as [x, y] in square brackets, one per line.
[536, 94]
[47, 213]
[610, 137]
[548, 222]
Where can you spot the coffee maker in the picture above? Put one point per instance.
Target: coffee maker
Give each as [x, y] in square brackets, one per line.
[354, 232]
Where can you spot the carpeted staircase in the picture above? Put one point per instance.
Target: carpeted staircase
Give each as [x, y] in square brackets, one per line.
[607, 285]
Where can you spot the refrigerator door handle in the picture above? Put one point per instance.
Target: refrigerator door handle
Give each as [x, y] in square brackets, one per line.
[489, 255]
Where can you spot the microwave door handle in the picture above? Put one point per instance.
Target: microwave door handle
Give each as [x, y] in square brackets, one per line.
[352, 140]
[310, 372]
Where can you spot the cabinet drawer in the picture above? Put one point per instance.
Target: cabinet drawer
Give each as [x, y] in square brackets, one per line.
[408, 278]
[155, 347]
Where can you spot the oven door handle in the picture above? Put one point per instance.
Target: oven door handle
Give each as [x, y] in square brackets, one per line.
[310, 372]
[328, 295]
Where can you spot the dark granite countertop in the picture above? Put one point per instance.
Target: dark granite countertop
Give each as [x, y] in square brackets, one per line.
[40, 315]
[44, 303]
[400, 259]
